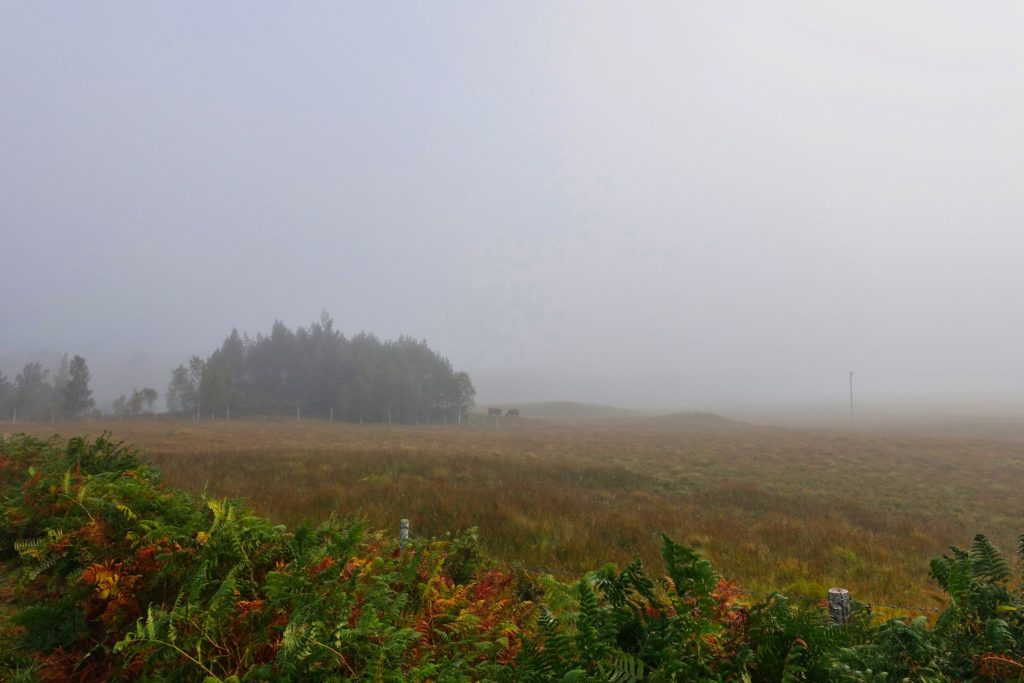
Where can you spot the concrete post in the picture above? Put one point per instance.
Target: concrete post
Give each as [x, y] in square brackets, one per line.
[839, 605]
[403, 533]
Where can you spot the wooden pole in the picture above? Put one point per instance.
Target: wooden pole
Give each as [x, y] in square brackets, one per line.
[851, 393]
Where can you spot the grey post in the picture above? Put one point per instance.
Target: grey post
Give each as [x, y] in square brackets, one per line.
[403, 533]
[851, 393]
[839, 605]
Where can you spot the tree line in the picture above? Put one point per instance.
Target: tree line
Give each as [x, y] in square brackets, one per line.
[318, 371]
[34, 395]
[315, 371]
[37, 394]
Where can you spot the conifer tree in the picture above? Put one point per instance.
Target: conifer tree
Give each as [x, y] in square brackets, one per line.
[33, 391]
[77, 396]
[6, 395]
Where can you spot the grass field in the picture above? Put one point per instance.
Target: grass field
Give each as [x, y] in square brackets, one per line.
[794, 510]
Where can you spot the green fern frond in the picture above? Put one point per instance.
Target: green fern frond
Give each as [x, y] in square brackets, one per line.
[625, 668]
[150, 624]
[999, 635]
[692, 576]
[793, 669]
[44, 565]
[32, 548]
[987, 561]
[126, 511]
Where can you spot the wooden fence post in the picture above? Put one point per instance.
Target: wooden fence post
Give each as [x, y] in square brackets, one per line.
[403, 533]
[839, 605]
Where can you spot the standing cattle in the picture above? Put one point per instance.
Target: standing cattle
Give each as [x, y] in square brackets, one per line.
[494, 412]
[512, 412]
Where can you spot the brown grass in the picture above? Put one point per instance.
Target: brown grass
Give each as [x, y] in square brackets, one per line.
[793, 510]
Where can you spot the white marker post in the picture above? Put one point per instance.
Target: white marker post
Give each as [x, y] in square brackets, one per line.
[403, 533]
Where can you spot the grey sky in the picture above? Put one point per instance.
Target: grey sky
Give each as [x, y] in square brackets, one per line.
[678, 204]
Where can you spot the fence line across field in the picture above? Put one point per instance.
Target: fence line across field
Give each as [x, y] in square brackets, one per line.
[838, 600]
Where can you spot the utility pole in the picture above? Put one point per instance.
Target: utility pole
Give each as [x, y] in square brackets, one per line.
[851, 393]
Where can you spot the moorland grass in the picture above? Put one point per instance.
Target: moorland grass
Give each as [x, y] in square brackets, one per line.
[793, 510]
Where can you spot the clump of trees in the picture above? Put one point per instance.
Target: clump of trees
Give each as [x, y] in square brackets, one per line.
[318, 371]
[34, 395]
[141, 400]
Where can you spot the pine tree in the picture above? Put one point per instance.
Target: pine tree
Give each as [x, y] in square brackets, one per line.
[179, 391]
[6, 396]
[60, 381]
[33, 391]
[77, 396]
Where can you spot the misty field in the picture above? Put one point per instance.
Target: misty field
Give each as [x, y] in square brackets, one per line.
[792, 510]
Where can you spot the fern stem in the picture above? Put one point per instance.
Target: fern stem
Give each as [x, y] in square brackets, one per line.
[330, 649]
[183, 654]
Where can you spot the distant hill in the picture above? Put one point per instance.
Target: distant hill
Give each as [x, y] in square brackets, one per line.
[564, 410]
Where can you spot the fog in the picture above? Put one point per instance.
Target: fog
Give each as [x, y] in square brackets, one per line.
[677, 205]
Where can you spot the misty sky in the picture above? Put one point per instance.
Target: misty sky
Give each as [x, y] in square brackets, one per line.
[678, 204]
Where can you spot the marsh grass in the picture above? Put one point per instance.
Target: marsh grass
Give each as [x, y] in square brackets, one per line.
[794, 510]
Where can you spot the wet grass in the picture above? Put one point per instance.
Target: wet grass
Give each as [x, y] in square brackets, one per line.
[794, 510]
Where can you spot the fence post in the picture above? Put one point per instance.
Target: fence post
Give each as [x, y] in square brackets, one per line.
[403, 533]
[839, 605]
